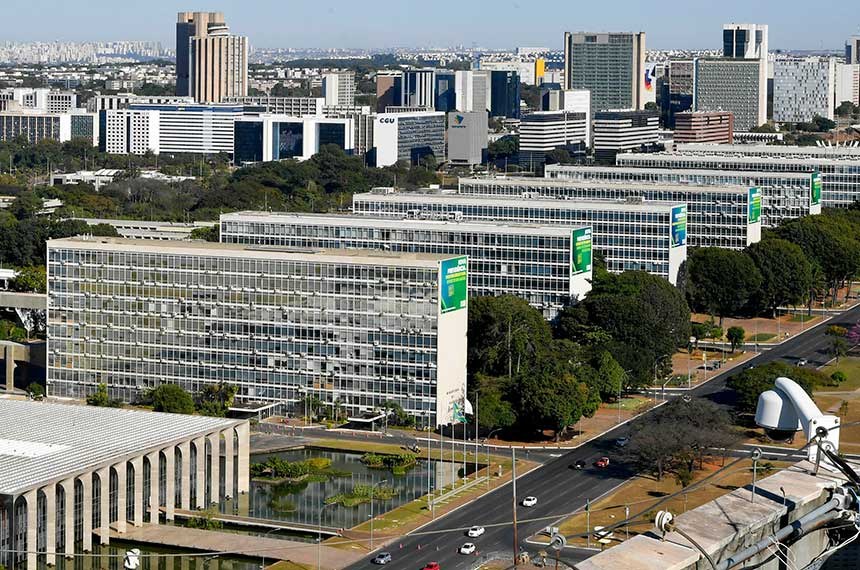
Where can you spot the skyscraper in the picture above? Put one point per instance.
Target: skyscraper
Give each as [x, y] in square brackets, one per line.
[610, 65]
[187, 24]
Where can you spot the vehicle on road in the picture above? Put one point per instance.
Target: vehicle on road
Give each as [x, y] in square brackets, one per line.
[382, 558]
[602, 463]
[622, 441]
[475, 531]
[579, 465]
[468, 548]
[529, 501]
[802, 362]
[431, 566]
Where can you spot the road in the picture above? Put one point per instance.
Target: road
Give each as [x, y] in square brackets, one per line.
[561, 490]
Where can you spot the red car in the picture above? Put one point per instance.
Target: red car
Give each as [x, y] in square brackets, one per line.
[431, 566]
[602, 463]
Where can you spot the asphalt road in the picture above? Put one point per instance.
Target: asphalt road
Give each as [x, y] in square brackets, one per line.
[560, 489]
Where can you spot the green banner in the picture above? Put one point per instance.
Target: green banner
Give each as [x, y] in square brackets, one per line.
[679, 225]
[815, 188]
[754, 205]
[580, 251]
[453, 289]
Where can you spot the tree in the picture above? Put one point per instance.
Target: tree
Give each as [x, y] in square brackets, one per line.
[31, 279]
[721, 281]
[735, 335]
[506, 335]
[215, 399]
[172, 399]
[786, 273]
[749, 384]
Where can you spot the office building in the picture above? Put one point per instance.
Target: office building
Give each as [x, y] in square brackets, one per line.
[632, 235]
[622, 131]
[803, 89]
[467, 138]
[784, 195]
[217, 63]
[339, 88]
[548, 266]
[408, 137]
[189, 25]
[504, 94]
[201, 129]
[350, 327]
[840, 177]
[70, 470]
[266, 137]
[418, 88]
[717, 216]
[389, 89]
[446, 92]
[545, 131]
[852, 50]
[292, 106]
[704, 127]
[610, 65]
[472, 91]
[731, 85]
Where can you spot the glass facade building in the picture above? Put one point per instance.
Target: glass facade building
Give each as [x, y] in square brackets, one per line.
[352, 328]
[536, 263]
[632, 235]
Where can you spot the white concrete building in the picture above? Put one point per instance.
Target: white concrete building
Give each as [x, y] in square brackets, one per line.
[803, 89]
[69, 470]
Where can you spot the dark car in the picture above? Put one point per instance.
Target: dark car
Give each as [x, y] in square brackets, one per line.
[578, 465]
[382, 558]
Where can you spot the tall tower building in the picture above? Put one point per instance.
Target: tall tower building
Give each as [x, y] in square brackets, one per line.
[610, 65]
[187, 25]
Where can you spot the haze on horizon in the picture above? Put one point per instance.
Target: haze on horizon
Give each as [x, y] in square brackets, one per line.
[824, 24]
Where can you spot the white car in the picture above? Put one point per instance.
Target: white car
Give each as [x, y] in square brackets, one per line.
[468, 548]
[529, 501]
[475, 531]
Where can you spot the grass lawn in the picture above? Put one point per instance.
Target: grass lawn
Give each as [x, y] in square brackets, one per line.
[643, 491]
[761, 337]
[850, 365]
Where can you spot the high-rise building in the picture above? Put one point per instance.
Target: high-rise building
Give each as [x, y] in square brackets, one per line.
[472, 91]
[418, 88]
[264, 138]
[549, 278]
[610, 65]
[389, 89]
[803, 89]
[621, 131]
[446, 93]
[505, 94]
[467, 137]
[632, 235]
[408, 137]
[187, 26]
[217, 60]
[545, 131]
[339, 88]
[732, 85]
[852, 50]
[350, 327]
[704, 126]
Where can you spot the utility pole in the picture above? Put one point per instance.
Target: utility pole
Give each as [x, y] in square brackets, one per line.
[514, 504]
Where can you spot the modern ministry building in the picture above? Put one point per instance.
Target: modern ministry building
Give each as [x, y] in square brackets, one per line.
[840, 177]
[610, 65]
[353, 328]
[69, 470]
[264, 138]
[548, 266]
[632, 235]
[408, 136]
[717, 216]
[784, 195]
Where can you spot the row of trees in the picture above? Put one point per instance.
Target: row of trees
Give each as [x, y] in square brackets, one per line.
[539, 377]
[801, 261]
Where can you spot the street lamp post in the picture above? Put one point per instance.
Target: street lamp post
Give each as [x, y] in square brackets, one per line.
[372, 489]
[319, 533]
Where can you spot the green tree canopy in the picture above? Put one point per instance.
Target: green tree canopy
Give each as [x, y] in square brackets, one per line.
[721, 281]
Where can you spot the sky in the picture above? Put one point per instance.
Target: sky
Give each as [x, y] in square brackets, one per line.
[696, 24]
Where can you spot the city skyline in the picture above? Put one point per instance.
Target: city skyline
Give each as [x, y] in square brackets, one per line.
[340, 24]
